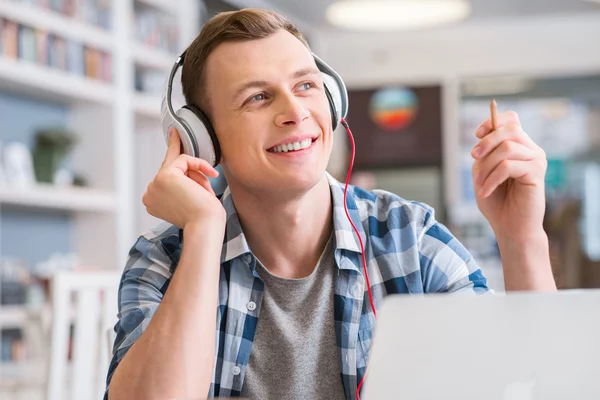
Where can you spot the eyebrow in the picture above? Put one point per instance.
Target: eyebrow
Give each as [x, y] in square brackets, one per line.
[261, 83]
[305, 71]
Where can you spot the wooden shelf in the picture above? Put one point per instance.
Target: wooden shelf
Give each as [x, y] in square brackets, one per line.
[67, 199]
[13, 316]
[69, 28]
[148, 57]
[28, 78]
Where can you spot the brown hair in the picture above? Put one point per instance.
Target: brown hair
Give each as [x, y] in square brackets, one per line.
[242, 25]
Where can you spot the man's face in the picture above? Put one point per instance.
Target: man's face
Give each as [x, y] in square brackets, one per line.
[263, 95]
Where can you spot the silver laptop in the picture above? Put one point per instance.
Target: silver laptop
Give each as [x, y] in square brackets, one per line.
[522, 346]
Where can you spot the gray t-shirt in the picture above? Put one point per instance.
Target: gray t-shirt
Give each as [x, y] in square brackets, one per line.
[294, 354]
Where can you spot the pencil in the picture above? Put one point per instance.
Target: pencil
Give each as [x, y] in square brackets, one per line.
[494, 112]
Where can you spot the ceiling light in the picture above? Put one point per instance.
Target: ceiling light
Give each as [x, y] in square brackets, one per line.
[379, 15]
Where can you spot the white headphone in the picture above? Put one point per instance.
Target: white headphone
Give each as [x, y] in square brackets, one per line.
[197, 133]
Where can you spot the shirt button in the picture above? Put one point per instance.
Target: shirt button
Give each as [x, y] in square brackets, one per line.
[251, 306]
[236, 370]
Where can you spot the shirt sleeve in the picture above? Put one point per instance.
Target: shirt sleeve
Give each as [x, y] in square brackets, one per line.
[142, 287]
[446, 265]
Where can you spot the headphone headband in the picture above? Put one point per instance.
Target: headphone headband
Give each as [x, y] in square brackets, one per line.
[178, 63]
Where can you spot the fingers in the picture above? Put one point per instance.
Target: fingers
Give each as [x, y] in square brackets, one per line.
[202, 180]
[494, 139]
[195, 168]
[505, 118]
[183, 162]
[174, 148]
[505, 153]
[506, 169]
[187, 164]
[507, 150]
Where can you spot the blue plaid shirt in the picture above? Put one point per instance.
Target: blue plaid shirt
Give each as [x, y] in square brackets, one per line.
[407, 252]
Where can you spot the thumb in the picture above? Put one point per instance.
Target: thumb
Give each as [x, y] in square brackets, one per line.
[174, 149]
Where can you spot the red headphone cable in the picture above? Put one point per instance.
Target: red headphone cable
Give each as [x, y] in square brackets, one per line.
[362, 248]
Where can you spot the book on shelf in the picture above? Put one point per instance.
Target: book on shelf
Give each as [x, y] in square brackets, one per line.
[57, 52]
[49, 50]
[11, 345]
[97, 12]
[41, 46]
[9, 32]
[26, 44]
[75, 63]
[156, 29]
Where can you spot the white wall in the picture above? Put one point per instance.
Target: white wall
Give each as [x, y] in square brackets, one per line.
[539, 46]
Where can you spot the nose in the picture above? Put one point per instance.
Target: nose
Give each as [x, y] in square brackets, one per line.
[292, 112]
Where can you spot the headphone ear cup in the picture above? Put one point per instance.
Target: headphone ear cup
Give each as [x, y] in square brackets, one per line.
[332, 110]
[201, 136]
[182, 127]
[334, 95]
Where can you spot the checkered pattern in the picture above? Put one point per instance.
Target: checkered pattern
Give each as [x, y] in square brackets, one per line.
[407, 252]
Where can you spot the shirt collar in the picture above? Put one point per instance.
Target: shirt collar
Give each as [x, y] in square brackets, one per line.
[235, 244]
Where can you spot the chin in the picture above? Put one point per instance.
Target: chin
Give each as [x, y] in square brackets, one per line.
[303, 182]
[285, 179]
[290, 184]
[298, 182]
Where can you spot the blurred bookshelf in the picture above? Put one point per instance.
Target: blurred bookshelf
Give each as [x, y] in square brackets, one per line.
[66, 199]
[30, 79]
[12, 371]
[13, 316]
[148, 57]
[95, 68]
[146, 106]
[162, 5]
[67, 24]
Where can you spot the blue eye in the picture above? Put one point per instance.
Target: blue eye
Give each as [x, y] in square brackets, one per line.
[258, 97]
[306, 85]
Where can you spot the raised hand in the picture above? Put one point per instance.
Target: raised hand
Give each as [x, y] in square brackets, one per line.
[508, 175]
[180, 192]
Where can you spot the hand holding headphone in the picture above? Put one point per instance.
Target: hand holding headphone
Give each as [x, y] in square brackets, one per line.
[197, 133]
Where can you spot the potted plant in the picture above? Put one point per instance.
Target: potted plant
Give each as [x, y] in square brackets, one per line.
[52, 145]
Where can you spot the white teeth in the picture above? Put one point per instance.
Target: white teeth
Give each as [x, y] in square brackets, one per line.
[304, 144]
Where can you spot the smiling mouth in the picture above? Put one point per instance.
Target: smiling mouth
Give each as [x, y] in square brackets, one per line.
[292, 147]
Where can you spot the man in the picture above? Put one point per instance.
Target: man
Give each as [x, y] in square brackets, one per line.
[273, 260]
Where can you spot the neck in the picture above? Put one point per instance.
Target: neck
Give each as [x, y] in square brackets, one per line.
[287, 236]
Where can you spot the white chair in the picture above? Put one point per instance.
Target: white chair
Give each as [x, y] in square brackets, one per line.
[92, 314]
